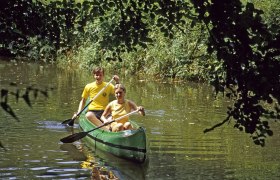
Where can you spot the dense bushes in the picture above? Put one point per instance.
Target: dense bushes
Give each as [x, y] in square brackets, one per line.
[167, 42]
[38, 31]
[88, 33]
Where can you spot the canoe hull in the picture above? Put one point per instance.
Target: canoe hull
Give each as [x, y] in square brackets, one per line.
[129, 144]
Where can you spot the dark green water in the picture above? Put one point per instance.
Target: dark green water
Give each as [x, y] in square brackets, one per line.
[176, 115]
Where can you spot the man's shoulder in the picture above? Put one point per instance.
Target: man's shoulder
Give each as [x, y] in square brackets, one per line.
[91, 84]
[111, 85]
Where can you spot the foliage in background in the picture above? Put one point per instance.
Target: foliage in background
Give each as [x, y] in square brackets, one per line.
[37, 31]
[86, 33]
[249, 50]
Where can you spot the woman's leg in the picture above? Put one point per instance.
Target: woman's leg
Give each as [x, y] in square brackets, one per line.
[127, 125]
[117, 127]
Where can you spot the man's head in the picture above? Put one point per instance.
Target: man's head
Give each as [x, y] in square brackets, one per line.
[98, 74]
[97, 70]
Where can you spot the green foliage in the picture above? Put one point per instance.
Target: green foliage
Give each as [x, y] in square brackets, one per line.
[175, 58]
[93, 32]
[270, 10]
[30, 28]
[248, 50]
[103, 42]
[39, 49]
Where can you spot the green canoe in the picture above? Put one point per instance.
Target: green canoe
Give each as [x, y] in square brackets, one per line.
[128, 144]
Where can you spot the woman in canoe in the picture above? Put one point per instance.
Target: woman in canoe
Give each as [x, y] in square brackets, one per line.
[118, 108]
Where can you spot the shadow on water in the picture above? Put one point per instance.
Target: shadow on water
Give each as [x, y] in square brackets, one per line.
[2, 146]
[73, 152]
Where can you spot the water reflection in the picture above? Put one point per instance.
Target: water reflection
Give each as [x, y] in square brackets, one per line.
[103, 165]
[74, 152]
[121, 168]
[97, 171]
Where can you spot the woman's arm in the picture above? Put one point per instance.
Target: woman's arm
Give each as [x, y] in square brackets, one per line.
[106, 113]
[134, 107]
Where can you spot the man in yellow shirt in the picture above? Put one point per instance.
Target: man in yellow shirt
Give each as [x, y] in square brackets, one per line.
[96, 107]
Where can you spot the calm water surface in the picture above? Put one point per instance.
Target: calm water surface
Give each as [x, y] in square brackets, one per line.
[176, 115]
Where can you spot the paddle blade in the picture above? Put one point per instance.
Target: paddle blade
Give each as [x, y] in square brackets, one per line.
[70, 122]
[74, 137]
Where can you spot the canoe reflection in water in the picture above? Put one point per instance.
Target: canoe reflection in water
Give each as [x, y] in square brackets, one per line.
[78, 153]
[98, 172]
[105, 165]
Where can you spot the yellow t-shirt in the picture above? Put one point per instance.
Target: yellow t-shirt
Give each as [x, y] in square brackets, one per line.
[119, 110]
[102, 99]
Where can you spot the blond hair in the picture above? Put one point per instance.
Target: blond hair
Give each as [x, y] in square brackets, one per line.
[120, 86]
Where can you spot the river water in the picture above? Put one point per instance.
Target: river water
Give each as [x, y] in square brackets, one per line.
[176, 115]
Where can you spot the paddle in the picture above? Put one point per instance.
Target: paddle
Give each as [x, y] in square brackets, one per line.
[80, 135]
[70, 122]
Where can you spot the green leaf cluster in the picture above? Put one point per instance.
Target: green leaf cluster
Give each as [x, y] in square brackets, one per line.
[248, 50]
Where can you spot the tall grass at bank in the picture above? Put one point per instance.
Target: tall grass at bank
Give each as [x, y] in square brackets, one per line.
[182, 57]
